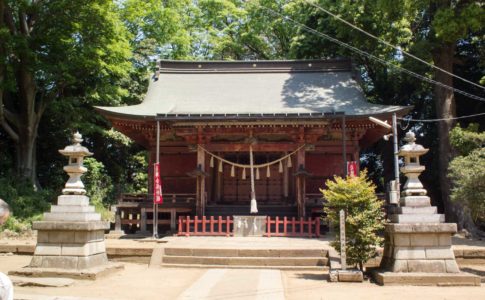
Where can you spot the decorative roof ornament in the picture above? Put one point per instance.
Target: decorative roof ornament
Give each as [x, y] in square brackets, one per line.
[75, 168]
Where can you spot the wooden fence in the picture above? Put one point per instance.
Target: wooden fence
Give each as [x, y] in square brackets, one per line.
[220, 226]
[203, 226]
[293, 227]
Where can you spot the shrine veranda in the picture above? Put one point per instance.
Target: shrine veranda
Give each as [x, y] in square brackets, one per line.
[304, 120]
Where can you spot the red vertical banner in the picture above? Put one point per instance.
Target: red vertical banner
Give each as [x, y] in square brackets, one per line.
[157, 185]
[352, 168]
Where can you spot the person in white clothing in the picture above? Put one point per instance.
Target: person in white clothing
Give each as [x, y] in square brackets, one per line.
[6, 287]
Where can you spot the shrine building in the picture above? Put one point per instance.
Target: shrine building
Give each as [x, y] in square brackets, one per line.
[299, 122]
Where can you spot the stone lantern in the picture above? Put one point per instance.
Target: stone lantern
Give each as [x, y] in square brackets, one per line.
[75, 168]
[417, 247]
[70, 238]
[412, 169]
[415, 206]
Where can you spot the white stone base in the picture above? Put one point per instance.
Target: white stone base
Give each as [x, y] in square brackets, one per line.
[419, 248]
[71, 237]
[249, 225]
[72, 216]
[417, 218]
[415, 210]
[415, 201]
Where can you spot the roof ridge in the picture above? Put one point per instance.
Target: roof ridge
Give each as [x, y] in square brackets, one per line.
[254, 66]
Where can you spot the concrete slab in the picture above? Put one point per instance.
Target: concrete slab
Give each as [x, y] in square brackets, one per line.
[42, 282]
[45, 297]
[85, 274]
[426, 279]
[350, 276]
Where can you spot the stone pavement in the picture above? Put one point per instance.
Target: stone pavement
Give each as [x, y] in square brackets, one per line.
[245, 284]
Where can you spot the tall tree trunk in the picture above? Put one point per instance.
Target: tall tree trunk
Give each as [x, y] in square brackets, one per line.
[443, 57]
[29, 113]
[20, 116]
[26, 154]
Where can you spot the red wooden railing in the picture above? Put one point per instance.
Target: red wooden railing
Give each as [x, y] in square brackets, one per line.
[293, 227]
[203, 226]
[220, 226]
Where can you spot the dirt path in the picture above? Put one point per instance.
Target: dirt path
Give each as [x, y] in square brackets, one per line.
[138, 281]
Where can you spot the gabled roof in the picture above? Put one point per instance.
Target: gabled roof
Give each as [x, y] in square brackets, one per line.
[252, 88]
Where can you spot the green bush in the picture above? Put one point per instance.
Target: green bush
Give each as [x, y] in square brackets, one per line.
[24, 201]
[467, 171]
[19, 226]
[26, 204]
[364, 216]
[468, 176]
[99, 187]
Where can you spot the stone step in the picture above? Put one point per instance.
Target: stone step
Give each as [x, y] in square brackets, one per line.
[417, 218]
[418, 201]
[426, 210]
[72, 209]
[291, 268]
[71, 216]
[221, 252]
[438, 279]
[66, 200]
[246, 261]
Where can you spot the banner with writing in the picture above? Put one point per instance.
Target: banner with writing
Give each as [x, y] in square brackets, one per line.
[157, 185]
[352, 168]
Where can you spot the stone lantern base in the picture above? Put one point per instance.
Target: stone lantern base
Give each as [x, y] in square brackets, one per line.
[421, 254]
[424, 247]
[70, 242]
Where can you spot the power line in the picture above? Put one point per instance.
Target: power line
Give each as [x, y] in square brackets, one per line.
[443, 119]
[390, 45]
[366, 54]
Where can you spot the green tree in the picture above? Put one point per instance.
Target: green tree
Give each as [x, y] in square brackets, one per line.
[467, 171]
[70, 51]
[364, 215]
[438, 31]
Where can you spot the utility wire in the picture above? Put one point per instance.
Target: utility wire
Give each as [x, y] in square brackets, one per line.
[438, 120]
[389, 44]
[366, 54]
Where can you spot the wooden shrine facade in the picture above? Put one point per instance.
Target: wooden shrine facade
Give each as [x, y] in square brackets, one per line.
[209, 113]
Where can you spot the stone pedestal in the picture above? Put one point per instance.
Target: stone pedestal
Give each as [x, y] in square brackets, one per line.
[71, 236]
[419, 248]
[70, 242]
[249, 225]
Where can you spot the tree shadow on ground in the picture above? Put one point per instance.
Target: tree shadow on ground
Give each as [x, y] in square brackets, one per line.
[312, 276]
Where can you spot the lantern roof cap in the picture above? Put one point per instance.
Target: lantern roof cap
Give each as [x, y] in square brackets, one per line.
[76, 149]
[411, 148]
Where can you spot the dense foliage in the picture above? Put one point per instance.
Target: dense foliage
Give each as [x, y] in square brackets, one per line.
[364, 216]
[467, 171]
